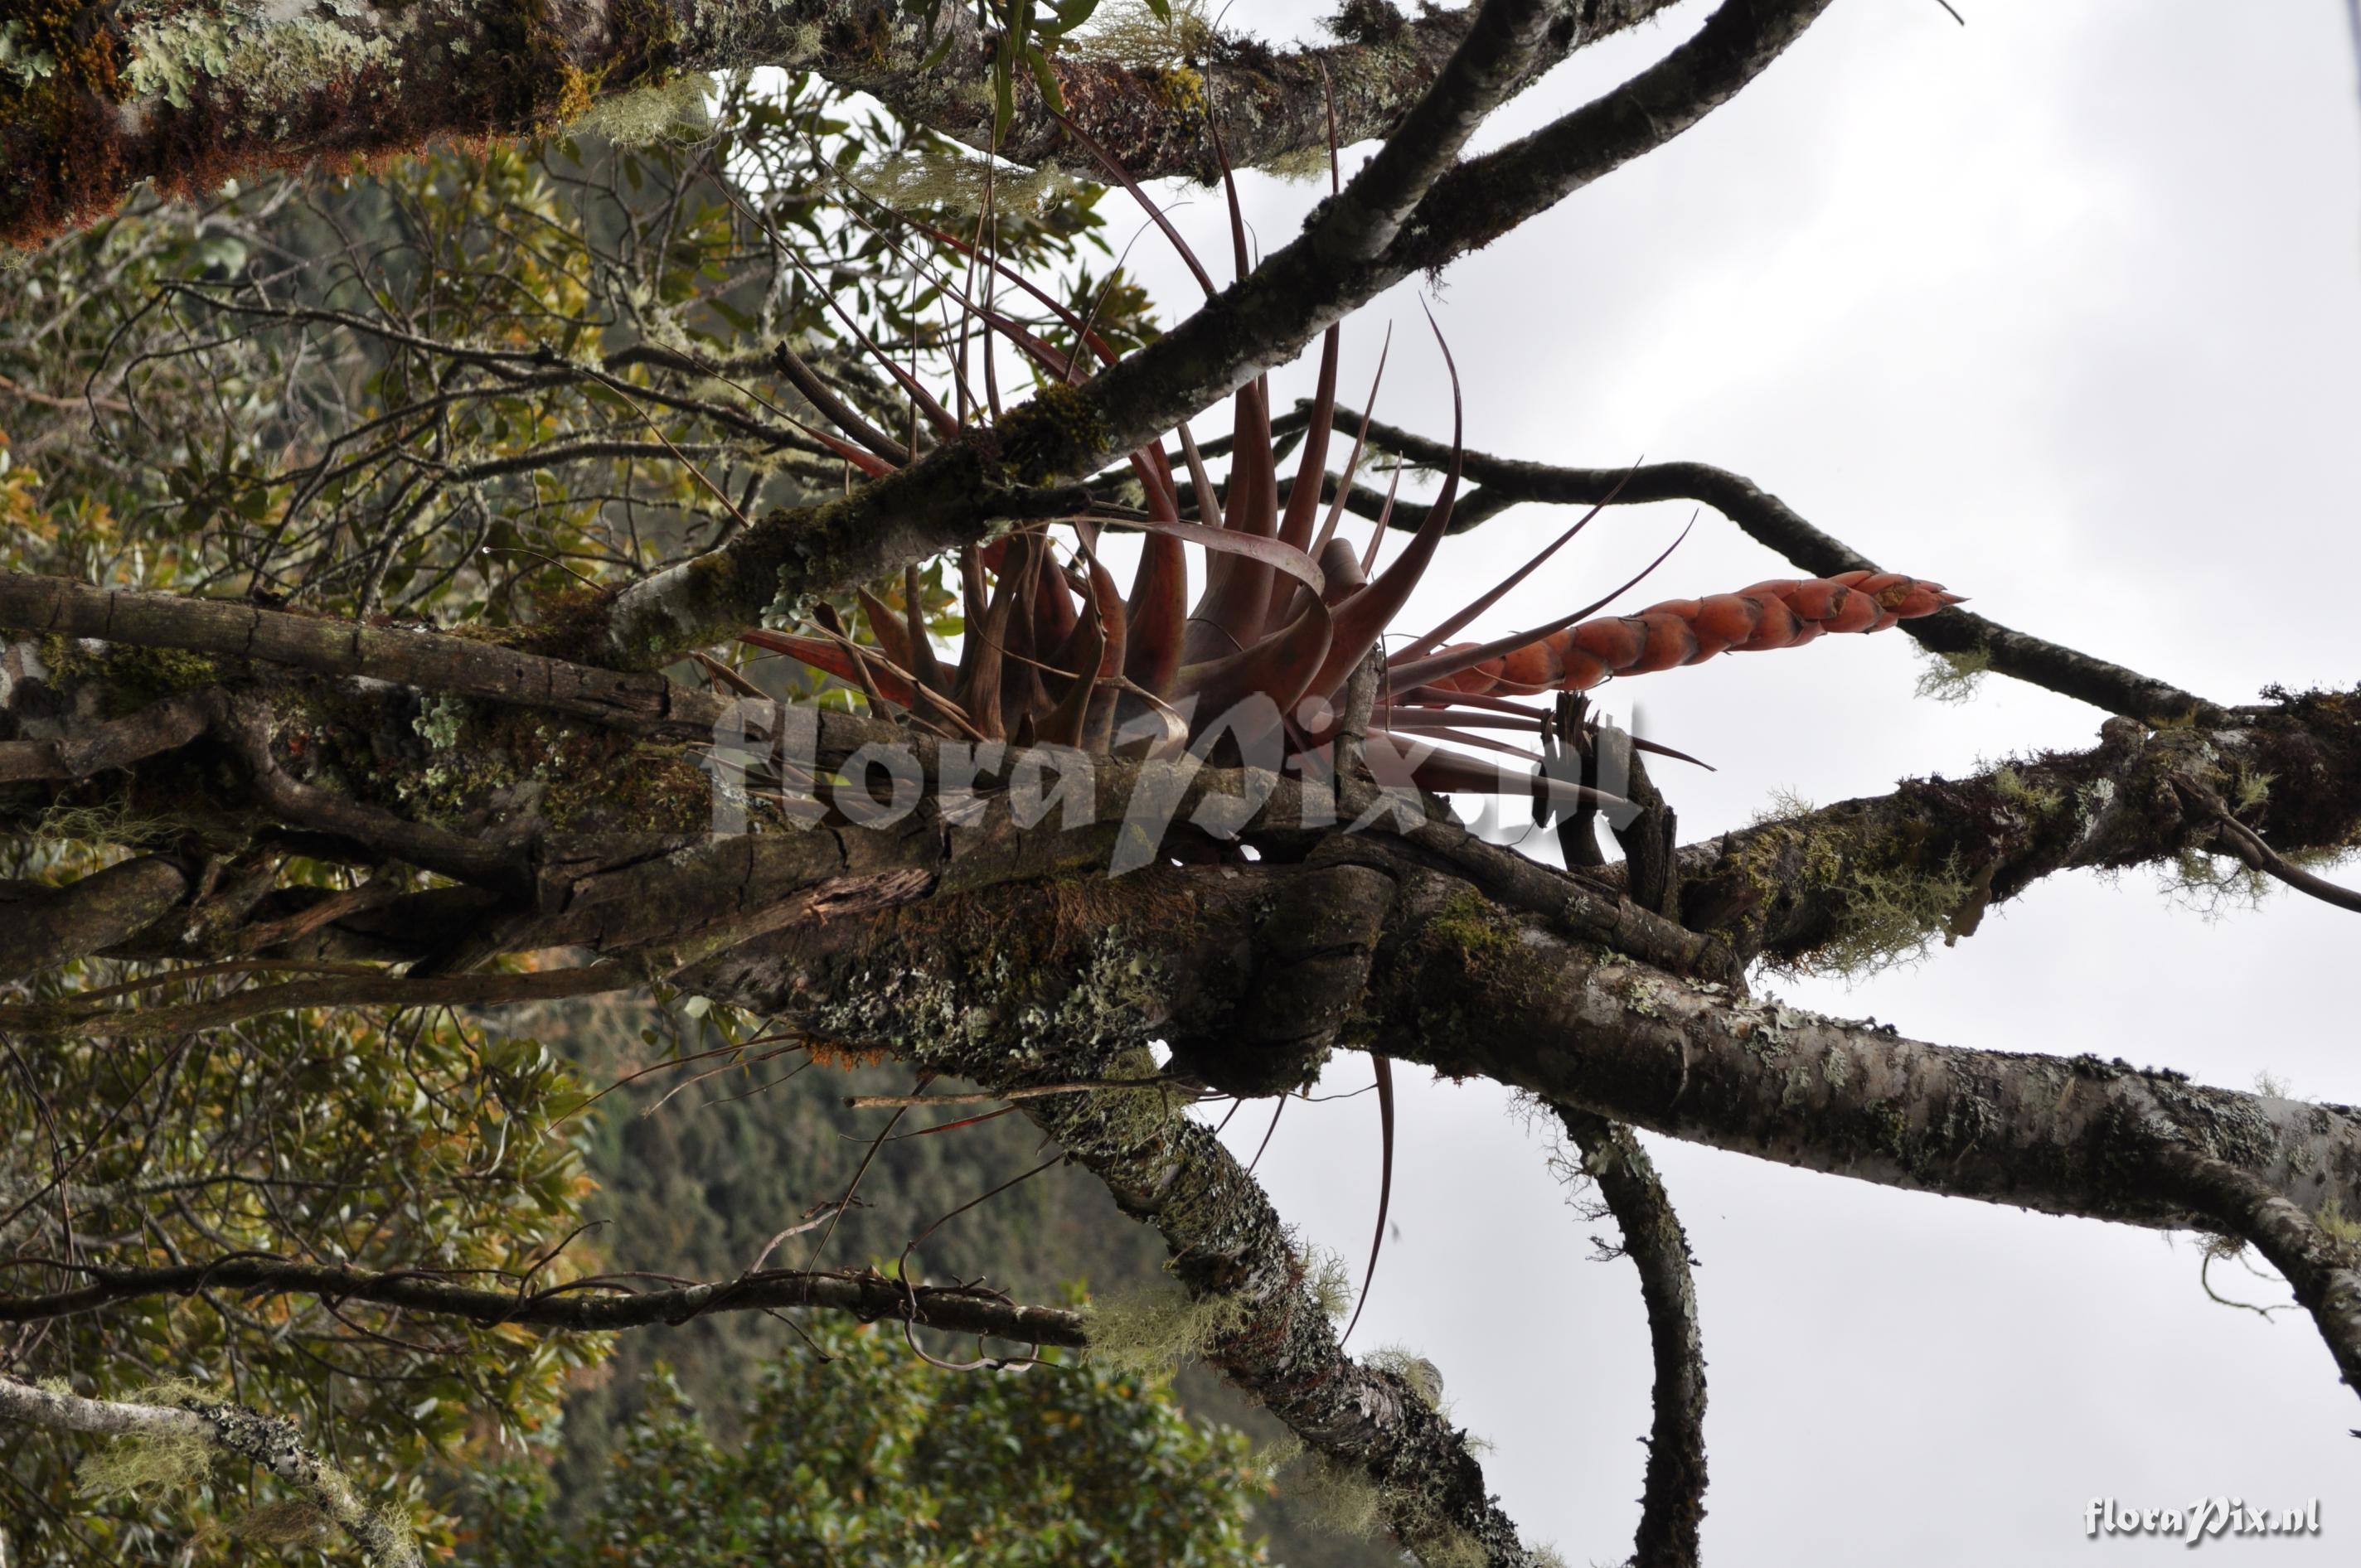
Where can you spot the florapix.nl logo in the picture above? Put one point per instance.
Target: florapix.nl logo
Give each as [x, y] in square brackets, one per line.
[2202, 1520]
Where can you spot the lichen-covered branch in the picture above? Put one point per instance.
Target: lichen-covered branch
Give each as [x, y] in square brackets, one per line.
[1472, 994]
[986, 983]
[234, 630]
[231, 1433]
[1862, 882]
[41, 927]
[1485, 197]
[94, 99]
[1504, 45]
[1672, 1498]
[74, 1019]
[2318, 1253]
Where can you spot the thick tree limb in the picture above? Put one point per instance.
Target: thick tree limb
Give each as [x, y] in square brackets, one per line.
[1001, 979]
[189, 98]
[2324, 1271]
[87, 749]
[1499, 52]
[234, 1433]
[455, 665]
[1672, 1499]
[41, 927]
[2261, 857]
[1464, 986]
[1485, 197]
[1829, 886]
[1869, 878]
[583, 1307]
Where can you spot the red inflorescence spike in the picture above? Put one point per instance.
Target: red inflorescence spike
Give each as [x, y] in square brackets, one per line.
[1786, 613]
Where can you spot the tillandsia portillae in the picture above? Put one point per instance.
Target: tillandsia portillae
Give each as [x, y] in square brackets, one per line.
[1055, 653]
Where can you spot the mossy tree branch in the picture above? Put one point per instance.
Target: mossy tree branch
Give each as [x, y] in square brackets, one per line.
[1672, 1496]
[992, 984]
[997, 953]
[232, 1432]
[1864, 880]
[98, 98]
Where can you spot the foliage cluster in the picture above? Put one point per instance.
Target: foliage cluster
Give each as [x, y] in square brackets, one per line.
[851, 1453]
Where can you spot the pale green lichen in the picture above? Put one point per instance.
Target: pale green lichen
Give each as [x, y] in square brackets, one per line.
[1127, 32]
[1425, 1379]
[1888, 913]
[1152, 1330]
[20, 59]
[272, 59]
[2039, 800]
[438, 723]
[1336, 1499]
[958, 184]
[671, 110]
[148, 1464]
[1329, 1280]
[1952, 678]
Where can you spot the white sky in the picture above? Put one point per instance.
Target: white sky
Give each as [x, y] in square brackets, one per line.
[2062, 309]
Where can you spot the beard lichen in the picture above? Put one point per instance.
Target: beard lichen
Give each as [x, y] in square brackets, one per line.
[1952, 678]
[1153, 1330]
[150, 1464]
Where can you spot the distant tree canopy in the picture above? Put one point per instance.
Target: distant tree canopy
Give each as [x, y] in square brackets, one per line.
[848, 1453]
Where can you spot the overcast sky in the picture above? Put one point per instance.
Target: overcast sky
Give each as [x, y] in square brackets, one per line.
[2063, 309]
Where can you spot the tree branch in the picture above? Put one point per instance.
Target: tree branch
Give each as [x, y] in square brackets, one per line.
[1485, 197]
[69, 1019]
[1672, 1499]
[1081, 1012]
[579, 1306]
[1468, 986]
[41, 927]
[1770, 521]
[233, 1432]
[1502, 49]
[456, 666]
[1861, 881]
[188, 103]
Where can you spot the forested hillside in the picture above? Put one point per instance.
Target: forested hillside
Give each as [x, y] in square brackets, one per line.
[695, 1177]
